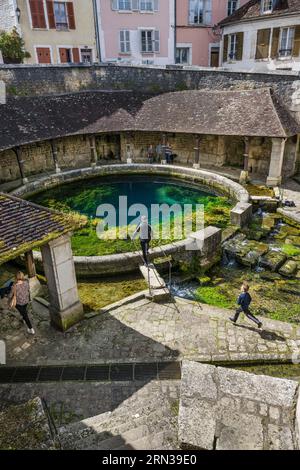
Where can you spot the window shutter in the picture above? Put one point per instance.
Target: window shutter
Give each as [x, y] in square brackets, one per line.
[76, 56]
[156, 5]
[71, 15]
[63, 55]
[114, 4]
[225, 47]
[156, 41]
[239, 46]
[275, 42]
[37, 14]
[135, 5]
[296, 45]
[50, 12]
[207, 12]
[191, 11]
[262, 43]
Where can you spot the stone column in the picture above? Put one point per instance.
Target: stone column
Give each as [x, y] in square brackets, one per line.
[18, 152]
[34, 283]
[54, 156]
[244, 176]
[197, 153]
[276, 161]
[94, 156]
[65, 307]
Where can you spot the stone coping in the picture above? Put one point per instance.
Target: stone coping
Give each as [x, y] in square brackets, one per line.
[93, 266]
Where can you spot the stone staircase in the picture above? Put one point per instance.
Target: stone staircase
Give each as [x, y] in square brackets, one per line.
[142, 422]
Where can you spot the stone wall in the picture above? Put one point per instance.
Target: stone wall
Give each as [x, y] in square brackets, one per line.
[75, 152]
[27, 80]
[72, 152]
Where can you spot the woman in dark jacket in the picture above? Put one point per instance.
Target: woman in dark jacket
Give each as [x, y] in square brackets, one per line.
[244, 301]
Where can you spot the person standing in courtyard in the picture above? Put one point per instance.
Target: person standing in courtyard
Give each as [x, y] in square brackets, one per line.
[145, 231]
[168, 153]
[21, 298]
[244, 301]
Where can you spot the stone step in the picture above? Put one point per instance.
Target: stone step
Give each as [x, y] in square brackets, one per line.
[152, 277]
[158, 295]
[109, 435]
[120, 419]
[155, 441]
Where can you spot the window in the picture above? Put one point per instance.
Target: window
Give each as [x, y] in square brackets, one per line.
[125, 42]
[286, 42]
[231, 6]
[61, 17]
[146, 5]
[182, 55]
[199, 11]
[232, 46]
[86, 56]
[266, 6]
[124, 5]
[150, 40]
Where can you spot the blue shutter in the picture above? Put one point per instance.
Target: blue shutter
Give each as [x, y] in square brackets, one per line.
[207, 12]
[156, 41]
[135, 5]
[114, 4]
[192, 4]
[156, 5]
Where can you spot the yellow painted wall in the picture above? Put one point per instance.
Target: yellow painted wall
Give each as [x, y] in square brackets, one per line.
[83, 35]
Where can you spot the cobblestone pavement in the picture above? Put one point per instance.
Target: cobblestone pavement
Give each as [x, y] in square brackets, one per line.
[144, 332]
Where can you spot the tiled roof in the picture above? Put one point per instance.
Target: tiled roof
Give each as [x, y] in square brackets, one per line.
[252, 11]
[252, 113]
[24, 226]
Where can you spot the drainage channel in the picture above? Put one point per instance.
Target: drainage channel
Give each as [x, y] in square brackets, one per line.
[87, 373]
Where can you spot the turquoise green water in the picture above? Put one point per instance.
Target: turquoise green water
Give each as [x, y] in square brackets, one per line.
[86, 196]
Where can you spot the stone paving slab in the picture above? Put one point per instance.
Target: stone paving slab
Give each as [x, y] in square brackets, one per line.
[150, 332]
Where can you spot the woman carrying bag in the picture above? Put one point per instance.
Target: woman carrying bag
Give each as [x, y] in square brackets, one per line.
[21, 298]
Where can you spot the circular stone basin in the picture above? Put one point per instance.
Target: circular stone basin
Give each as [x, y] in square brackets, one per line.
[84, 197]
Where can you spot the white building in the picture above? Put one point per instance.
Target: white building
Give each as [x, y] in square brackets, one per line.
[262, 35]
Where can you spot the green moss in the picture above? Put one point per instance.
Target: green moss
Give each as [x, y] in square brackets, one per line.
[290, 250]
[214, 296]
[97, 294]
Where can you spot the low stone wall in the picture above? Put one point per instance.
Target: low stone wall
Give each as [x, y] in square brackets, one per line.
[214, 182]
[94, 266]
[225, 409]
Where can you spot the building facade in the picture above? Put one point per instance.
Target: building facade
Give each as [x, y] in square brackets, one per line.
[55, 32]
[137, 31]
[197, 38]
[264, 35]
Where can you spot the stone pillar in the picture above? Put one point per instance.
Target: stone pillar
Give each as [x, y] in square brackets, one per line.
[221, 151]
[94, 156]
[18, 152]
[54, 156]
[65, 307]
[197, 153]
[276, 161]
[244, 176]
[34, 283]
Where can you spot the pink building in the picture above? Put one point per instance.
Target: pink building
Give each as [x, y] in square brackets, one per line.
[197, 41]
[137, 31]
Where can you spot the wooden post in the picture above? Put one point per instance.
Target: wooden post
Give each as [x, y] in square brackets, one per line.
[163, 154]
[30, 265]
[197, 152]
[244, 176]
[18, 152]
[93, 151]
[54, 155]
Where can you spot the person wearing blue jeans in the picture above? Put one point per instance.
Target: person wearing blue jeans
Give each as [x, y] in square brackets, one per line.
[244, 301]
